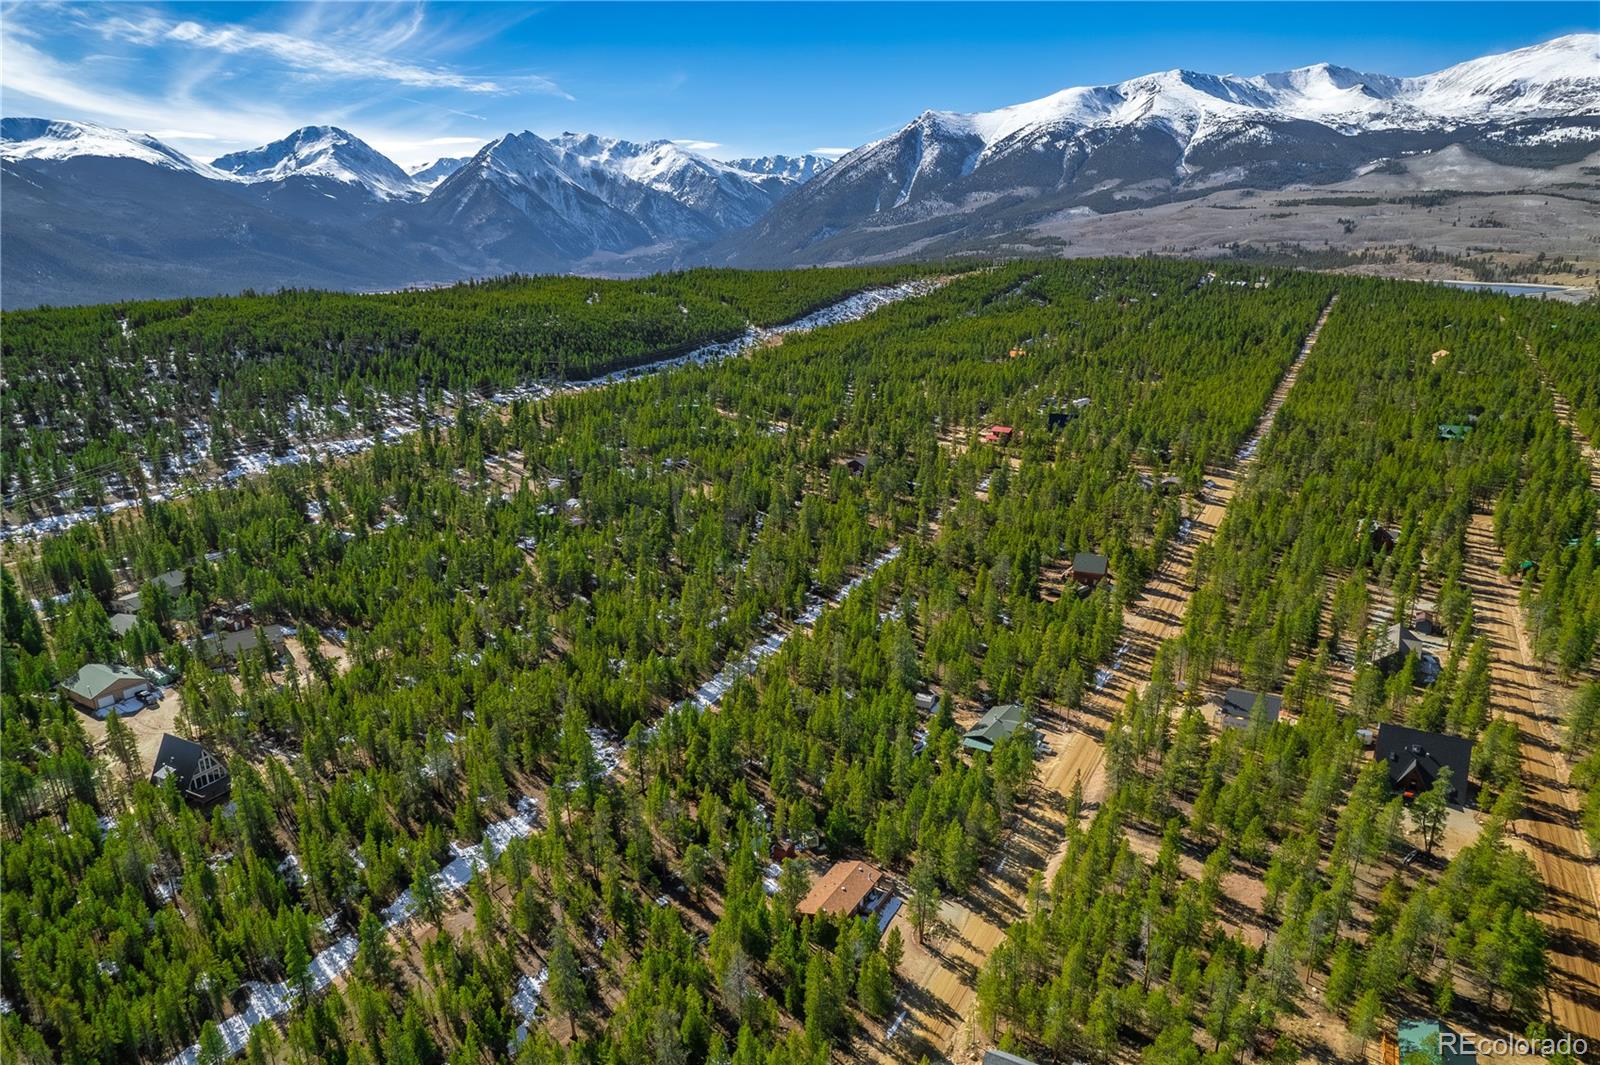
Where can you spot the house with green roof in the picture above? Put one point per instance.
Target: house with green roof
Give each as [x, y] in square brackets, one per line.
[97, 686]
[1454, 432]
[994, 726]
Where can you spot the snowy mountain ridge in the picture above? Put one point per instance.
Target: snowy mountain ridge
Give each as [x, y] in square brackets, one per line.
[1177, 132]
[55, 140]
[325, 152]
[94, 212]
[1557, 78]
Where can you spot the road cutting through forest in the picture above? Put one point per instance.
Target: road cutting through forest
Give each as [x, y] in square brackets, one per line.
[1550, 829]
[1563, 409]
[942, 974]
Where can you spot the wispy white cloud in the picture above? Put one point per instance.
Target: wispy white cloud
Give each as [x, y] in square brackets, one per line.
[28, 72]
[697, 146]
[202, 86]
[830, 153]
[320, 58]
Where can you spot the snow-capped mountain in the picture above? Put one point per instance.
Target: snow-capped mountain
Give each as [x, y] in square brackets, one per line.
[790, 169]
[580, 195]
[323, 152]
[1159, 136]
[523, 194]
[96, 213]
[52, 140]
[430, 174]
[725, 195]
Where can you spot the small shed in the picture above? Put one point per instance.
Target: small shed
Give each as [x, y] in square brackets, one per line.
[855, 464]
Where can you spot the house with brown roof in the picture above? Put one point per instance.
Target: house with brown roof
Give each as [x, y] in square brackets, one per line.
[842, 890]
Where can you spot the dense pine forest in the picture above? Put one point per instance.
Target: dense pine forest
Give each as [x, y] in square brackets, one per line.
[581, 694]
[120, 395]
[1291, 598]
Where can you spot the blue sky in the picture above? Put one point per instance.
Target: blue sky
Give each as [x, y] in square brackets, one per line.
[423, 80]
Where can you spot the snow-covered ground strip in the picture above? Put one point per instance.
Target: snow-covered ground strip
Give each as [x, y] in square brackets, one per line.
[267, 1002]
[710, 694]
[607, 751]
[1103, 675]
[402, 425]
[525, 1001]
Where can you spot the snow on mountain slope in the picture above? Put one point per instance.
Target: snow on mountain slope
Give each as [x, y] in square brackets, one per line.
[58, 140]
[428, 175]
[326, 152]
[320, 206]
[791, 169]
[522, 178]
[1557, 78]
[724, 194]
[1560, 77]
[1139, 141]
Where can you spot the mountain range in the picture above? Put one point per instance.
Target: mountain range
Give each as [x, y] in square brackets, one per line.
[93, 213]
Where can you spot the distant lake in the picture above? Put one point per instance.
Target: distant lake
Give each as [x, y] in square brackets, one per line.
[1508, 289]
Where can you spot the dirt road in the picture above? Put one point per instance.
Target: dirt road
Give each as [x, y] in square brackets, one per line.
[940, 1004]
[1564, 415]
[1550, 829]
[1590, 452]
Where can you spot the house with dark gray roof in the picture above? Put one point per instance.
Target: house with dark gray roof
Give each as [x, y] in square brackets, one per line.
[855, 464]
[1400, 642]
[200, 776]
[1414, 759]
[174, 580]
[97, 686]
[1238, 707]
[230, 645]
